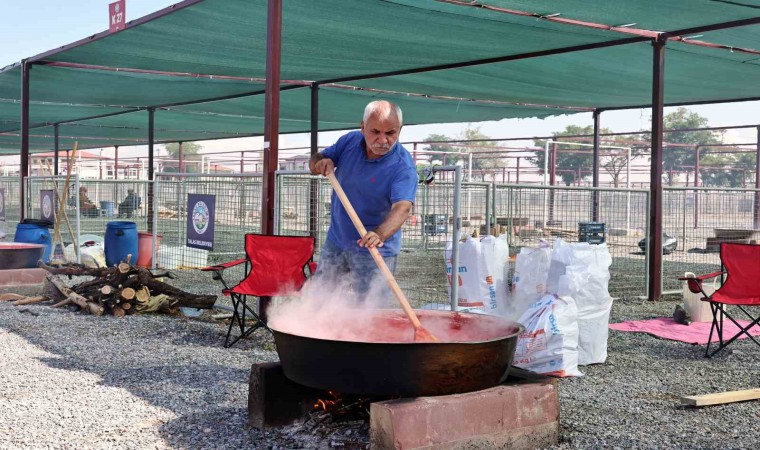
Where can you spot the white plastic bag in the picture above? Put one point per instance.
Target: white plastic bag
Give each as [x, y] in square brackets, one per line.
[495, 261]
[92, 255]
[549, 344]
[472, 291]
[581, 270]
[482, 273]
[698, 310]
[529, 281]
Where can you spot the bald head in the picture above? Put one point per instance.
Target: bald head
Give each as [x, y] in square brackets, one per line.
[383, 110]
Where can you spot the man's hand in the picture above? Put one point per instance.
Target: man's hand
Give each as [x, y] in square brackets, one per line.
[321, 166]
[371, 240]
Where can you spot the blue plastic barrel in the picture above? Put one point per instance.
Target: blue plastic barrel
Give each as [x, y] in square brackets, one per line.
[34, 234]
[120, 241]
[108, 208]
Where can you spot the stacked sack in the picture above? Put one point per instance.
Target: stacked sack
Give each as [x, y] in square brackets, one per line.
[482, 274]
[561, 297]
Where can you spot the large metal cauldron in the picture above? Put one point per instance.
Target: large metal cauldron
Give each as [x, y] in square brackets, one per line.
[475, 353]
[20, 255]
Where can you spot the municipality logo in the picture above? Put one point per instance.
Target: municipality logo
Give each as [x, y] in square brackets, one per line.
[47, 208]
[201, 217]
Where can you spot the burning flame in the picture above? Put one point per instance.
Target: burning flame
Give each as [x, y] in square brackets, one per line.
[327, 404]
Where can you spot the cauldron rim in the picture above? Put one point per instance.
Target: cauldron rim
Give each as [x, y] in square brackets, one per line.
[518, 327]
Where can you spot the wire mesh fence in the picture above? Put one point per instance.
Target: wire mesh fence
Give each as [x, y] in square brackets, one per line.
[529, 214]
[237, 208]
[695, 221]
[10, 206]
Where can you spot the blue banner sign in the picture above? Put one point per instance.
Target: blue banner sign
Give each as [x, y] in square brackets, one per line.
[200, 221]
[46, 205]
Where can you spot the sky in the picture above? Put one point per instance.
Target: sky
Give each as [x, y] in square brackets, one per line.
[30, 27]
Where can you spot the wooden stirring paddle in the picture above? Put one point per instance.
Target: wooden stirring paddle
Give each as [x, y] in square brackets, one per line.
[420, 333]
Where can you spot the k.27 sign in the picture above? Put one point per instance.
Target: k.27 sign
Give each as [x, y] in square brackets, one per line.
[117, 16]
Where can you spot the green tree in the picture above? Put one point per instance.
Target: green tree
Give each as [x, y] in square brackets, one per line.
[439, 143]
[725, 169]
[483, 153]
[190, 155]
[572, 159]
[678, 159]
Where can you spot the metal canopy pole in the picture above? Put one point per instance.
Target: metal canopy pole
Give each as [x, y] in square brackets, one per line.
[314, 202]
[756, 217]
[115, 162]
[655, 206]
[56, 148]
[595, 167]
[24, 161]
[181, 156]
[151, 137]
[696, 184]
[271, 114]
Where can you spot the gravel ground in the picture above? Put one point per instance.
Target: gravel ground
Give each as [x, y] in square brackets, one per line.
[69, 380]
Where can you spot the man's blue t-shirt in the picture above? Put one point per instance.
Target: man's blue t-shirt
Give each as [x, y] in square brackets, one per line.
[372, 186]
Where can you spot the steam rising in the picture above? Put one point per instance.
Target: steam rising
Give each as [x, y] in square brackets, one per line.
[330, 309]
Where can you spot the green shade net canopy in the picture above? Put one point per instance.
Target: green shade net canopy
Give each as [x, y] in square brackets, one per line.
[201, 65]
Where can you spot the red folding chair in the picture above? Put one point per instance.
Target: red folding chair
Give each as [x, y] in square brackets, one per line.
[741, 289]
[275, 265]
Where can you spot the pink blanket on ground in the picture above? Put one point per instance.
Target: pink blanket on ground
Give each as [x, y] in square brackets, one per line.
[667, 328]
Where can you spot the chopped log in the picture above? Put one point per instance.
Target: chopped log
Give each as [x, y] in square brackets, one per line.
[64, 302]
[125, 267]
[179, 297]
[30, 300]
[107, 289]
[126, 306]
[128, 293]
[142, 294]
[76, 269]
[82, 302]
[154, 303]
[10, 296]
[118, 312]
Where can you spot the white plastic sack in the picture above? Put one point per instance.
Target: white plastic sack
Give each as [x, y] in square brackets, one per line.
[495, 259]
[581, 270]
[92, 255]
[481, 275]
[529, 281]
[470, 293]
[549, 344]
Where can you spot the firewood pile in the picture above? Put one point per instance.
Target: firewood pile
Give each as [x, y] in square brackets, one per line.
[120, 290]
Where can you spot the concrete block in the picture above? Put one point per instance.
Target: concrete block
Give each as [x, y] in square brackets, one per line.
[524, 415]
[21, 277]
[274, 400]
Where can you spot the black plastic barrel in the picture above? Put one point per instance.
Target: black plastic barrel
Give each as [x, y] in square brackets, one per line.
[120, 241]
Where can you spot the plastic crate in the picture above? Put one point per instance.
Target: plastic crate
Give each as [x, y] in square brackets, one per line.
[435, 224]
[592, 232]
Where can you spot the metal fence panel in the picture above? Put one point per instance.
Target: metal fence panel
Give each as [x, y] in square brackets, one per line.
[700, 219]
[529, 213]
[237, 212]
[11, 206]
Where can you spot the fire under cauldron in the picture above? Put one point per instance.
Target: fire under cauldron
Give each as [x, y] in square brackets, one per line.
[475, 352]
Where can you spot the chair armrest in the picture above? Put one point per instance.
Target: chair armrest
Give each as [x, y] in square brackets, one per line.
[695, 283]
[223, 266]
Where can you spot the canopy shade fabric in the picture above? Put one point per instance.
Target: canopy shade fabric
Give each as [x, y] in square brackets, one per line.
[203, 66]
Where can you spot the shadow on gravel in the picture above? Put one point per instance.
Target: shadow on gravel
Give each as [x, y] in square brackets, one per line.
[172, 363]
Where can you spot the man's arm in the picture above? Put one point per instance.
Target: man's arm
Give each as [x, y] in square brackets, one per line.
[396, 218]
